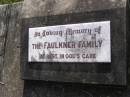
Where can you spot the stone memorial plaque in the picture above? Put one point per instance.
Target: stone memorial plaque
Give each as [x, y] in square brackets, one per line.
[82, 42]
[82, 47]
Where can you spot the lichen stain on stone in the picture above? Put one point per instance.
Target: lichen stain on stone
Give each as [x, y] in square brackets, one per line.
[64, 6]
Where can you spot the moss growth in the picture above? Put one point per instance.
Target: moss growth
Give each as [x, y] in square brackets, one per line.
[8, 1]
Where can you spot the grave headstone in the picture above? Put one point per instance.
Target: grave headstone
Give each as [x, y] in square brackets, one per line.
[78, 41]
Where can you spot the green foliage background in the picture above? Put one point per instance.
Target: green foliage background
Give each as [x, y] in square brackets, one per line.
[8, 1]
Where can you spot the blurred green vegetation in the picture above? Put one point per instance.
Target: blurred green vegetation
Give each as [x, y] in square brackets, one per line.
[8, 1]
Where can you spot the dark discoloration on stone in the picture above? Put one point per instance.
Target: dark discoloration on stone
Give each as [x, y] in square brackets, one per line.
[52, 89]
[128, 36]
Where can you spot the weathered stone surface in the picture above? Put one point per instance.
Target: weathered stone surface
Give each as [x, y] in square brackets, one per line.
[49, 89]
[52, 89]
[128, 46]
[1, 67]
[3, 24]
[3, 27]
[2, 41]
[35, 8]
[12, 85]
[3, 31]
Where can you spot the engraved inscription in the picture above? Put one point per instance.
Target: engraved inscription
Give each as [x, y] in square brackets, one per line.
[83, 42]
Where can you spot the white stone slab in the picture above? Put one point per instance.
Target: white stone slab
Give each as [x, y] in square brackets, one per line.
[83, 42]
